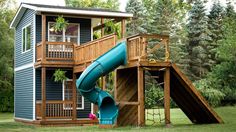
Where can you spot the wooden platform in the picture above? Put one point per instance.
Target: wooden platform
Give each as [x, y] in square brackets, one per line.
[80, 122]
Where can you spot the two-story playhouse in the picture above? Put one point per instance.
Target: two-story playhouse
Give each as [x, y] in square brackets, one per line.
[39, 51]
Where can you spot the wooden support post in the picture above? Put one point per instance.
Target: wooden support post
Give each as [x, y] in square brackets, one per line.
[43, 93]
[167, 50]
[104, 83]
[43, 38]
[167, 96]
[123, 28]
[102, 29]
[115, 85]
[74, 98]
[141, 110]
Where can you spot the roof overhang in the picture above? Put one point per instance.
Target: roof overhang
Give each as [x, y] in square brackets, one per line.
[92, 13]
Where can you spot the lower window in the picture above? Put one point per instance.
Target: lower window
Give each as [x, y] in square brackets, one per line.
[68, 95]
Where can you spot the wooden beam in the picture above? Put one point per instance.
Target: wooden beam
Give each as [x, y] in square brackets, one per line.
[102, 28]
[141, 111]
[167, 95]
[43, 33]
[43, 93]
[123, 28]
[74, 98]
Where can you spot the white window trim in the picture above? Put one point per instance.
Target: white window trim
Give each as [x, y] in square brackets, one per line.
[63, 32]
[22, 39]
[63, 96]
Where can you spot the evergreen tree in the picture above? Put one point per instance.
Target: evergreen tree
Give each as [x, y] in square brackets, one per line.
[215, 19]
[197, 35]
[137, 24]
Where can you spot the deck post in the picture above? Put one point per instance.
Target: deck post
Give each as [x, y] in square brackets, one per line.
[167, 96]
[141, 110]
[74, 98]
[102, 29]
[43, 38]
[43, 93]
[123, 28]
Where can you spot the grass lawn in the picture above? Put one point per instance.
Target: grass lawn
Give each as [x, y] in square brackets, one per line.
[180, 123]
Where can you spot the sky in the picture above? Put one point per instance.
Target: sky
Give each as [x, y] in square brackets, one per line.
[122, 3]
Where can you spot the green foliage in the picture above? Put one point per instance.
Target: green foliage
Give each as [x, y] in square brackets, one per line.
[59, 75]
[105, 4]
[136, 25]
[6, 97]
[111, 27]
[6, 57]
[212, 95]
[60, 24]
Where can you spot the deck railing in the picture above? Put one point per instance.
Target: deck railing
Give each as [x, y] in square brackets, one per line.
[89, 51]
[55, 109]
[55, 51]
[137, 46]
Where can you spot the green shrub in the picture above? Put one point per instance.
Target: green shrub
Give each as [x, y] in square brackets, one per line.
[213, 96]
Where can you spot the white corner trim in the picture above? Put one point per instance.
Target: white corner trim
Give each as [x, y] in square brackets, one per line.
[24, 67]
[24, 119]
[34, 72]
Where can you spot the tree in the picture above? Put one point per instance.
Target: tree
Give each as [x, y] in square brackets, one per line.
[136, 25]
[6, 57]
[197, 35]
[223, 77]
[215, 19]
[105, 4]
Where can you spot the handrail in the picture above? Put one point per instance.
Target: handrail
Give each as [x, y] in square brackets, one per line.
[96, 40]
[91, 50]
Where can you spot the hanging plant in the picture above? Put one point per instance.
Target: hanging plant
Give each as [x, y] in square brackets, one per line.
[59, 75]
[60, 24]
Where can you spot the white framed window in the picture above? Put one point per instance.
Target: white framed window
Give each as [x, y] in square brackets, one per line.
[67, 94]
[26, 38]
[70, 34]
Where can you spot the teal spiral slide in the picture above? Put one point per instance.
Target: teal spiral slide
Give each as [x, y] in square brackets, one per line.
[86, 84]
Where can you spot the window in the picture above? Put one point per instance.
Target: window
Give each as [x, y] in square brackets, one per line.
[26, 39]
[68, 94]
[70, 34]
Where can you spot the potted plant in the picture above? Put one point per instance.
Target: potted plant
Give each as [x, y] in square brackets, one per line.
[60, 24]
[59, 75]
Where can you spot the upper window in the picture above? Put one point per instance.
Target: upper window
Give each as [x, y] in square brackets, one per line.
[26, 39]
[70, 34]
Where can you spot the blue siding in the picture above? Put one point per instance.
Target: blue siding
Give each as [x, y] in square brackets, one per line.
[24, 58]
[85, 27]
[54, 91]
[24, 93]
